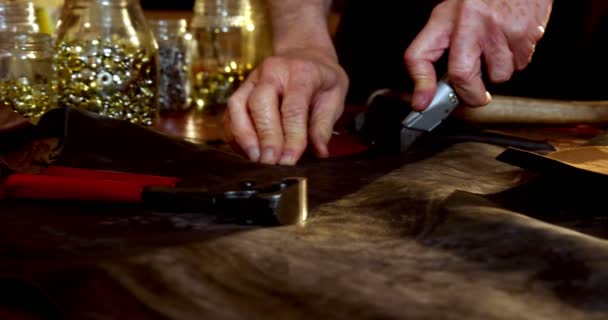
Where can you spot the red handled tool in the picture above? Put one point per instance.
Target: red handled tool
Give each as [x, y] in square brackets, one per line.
[65, 183]
[284, 202]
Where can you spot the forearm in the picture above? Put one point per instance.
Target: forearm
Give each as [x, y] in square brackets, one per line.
[300, 24]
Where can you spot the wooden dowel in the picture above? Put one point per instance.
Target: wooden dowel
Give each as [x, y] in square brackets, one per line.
[507, 109]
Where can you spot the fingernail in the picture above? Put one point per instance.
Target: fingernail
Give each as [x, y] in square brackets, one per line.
[287, 159]
[541, 29]
[253, 153]
[488, 97]
[322, 152]
[268, 156]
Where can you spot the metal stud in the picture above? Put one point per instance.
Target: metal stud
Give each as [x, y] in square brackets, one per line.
[112, 78]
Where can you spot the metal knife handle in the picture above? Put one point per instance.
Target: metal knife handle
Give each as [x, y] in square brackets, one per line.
[442, 105]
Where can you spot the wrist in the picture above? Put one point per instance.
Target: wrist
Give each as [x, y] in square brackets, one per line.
[306, 42]
[304, 28]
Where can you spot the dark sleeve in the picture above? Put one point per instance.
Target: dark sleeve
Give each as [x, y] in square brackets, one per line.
[371, 39]
[565, 65]
[373, 36]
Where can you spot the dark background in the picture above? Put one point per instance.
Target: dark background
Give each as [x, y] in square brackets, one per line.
[167, 5]
[372, 35]
[569, 62]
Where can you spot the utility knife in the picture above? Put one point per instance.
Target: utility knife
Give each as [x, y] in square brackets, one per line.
[389, 123]
[418, 122]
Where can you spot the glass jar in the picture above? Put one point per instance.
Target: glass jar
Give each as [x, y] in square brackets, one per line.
[226, 48]
[106, 60]
[27, 81]
[18, 16]
[174, 51]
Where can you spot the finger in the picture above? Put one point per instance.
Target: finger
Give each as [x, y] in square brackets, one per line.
[464, 62]
[498, 57]
[428, 46]
[328, 107]
[240, 124]
[294, 113]
[523, 47]
[264, 109]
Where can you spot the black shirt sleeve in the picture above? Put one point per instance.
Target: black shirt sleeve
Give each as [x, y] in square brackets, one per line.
[373, 35]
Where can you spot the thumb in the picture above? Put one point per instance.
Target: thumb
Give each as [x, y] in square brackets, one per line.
[428, 47]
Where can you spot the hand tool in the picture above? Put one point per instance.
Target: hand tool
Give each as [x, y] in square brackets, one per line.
[390, 124]
[417, 122]
[378, 124]
[282, 203]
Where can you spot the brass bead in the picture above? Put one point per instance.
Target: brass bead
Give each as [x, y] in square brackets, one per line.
[29, 99]
[115, 79]
[214, 88]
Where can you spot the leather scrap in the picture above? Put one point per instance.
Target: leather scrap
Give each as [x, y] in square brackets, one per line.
[23, 147]
[585, 161]
[586, 158]
[11, 120]
[32, 156]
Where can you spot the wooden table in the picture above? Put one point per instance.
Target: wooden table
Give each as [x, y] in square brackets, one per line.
[193, 125]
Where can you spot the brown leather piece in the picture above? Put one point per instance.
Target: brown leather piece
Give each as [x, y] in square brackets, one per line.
[22, 149]
[447, 233]
[586, 158]
[11, 120]
[424, 241]
[586, 161]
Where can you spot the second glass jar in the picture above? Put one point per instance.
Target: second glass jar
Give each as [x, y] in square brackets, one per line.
[106, 60]
[27, 81]
[227, 45]
[174, 51]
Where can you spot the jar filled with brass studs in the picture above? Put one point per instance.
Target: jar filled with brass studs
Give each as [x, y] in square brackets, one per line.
[106, 60]
[27, 80]
[226, 48]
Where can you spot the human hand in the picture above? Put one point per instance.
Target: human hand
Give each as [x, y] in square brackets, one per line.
[503, 33]
[284, 101]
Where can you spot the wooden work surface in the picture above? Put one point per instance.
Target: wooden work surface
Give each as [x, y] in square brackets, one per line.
[445, 232]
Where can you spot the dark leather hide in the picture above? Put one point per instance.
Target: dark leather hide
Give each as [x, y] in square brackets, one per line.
[447, 232]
